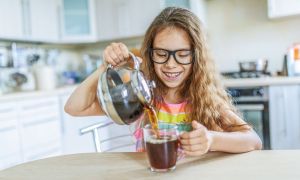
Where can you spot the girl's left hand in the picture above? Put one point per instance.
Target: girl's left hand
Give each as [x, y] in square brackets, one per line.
[196, 142]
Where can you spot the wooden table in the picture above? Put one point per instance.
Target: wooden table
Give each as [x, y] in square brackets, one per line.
[219, 166]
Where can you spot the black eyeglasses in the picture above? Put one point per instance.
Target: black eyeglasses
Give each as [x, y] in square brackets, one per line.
[181, 56]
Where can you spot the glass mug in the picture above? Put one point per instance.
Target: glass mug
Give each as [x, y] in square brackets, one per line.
[162, 151]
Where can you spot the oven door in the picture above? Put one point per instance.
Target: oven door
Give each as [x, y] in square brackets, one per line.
[257, 115]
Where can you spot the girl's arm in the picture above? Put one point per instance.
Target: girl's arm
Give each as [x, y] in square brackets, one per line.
[200, 140]
[235, 142]
[83, 101]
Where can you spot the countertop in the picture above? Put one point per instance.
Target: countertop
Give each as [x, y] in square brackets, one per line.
[266, 164]
[267, 81]
[37, 94]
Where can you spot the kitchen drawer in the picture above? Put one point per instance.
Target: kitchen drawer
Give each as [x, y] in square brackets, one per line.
[45, 150]
[34, 135]
[30, 108]
[8, 124]
[39, 118]
[8, 111]
[9, 141]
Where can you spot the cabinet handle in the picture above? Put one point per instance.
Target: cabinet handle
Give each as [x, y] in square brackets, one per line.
[39, 105]
[37, 122]
[258, 107]
[6, 110]
[285, 112]
[7, 129]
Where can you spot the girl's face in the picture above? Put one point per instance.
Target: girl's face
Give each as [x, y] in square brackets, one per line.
[171, 73]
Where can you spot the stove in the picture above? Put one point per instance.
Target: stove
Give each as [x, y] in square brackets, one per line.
[248, 74]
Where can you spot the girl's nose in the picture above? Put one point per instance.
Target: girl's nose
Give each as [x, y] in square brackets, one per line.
[171, 63]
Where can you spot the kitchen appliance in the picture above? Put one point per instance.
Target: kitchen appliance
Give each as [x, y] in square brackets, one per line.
[253, 103]
[16, 79]
[123, 92]
[250, 74]
[259, 65]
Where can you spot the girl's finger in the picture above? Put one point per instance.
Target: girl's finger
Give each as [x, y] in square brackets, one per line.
[118, 52]
[108, 59]
[113, 56]
[191, 141]
[124, 50]
[196, 147]
[194, 153]
[193, 134]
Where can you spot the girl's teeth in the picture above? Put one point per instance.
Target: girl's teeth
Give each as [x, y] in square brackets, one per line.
[172, 75]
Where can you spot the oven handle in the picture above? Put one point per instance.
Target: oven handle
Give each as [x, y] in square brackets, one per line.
[250, 107]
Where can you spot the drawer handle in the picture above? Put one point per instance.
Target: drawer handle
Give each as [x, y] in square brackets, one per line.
[39, 105]
[37, 122]
[7, 129]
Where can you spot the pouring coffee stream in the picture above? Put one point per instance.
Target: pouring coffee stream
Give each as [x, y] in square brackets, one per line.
[125, 99]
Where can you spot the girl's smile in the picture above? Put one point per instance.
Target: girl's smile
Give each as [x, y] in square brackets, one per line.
[171, 76]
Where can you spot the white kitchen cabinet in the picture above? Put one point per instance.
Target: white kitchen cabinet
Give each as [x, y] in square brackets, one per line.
[10, 142]
[30, 129]
[285, 117]
[11, 15]
[283, 8]
[32, 20]
[44, 20]
[130, 18]
[40, 127]
[125, 18]
[78, 18]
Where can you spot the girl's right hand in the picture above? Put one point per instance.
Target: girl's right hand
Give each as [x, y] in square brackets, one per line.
[116, 54]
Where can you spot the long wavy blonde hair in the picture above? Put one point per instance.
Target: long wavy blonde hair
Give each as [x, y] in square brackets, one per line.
[206, 96]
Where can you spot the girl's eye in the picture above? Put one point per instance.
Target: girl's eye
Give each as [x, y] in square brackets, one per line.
[183, 53]
[161, 53]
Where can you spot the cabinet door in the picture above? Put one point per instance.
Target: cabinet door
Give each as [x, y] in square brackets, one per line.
[44, 20]
[278, 121]
[78, 21]
[282, 8]
[284, 117]
[106, 20]
[125, 18]
[40, 127]
[10, 151]
[292, 95]
[11, 19]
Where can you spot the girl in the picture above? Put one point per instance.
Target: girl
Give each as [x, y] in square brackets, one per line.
[174, 55]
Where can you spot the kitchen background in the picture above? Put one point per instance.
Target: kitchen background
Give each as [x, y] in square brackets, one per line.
[47, 47]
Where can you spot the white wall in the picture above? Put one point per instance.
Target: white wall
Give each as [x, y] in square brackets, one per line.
[240, 30]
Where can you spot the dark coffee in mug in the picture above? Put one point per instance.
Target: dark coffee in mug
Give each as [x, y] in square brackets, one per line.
[162, 152]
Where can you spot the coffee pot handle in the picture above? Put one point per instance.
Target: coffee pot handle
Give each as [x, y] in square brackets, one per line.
[135, 61]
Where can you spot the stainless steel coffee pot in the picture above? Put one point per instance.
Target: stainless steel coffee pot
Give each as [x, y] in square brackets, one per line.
[123, 92]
